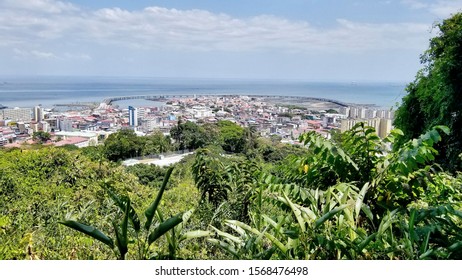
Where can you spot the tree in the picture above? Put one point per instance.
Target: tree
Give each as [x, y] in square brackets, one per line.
[41, 136]
[189, 135]
[123, 144]
[157, 143]
[209, 176]
[232, 137]
[434, 97]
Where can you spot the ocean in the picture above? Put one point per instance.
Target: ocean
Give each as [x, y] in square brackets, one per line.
[47, 91]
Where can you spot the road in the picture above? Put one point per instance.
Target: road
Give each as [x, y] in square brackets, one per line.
[165, 161]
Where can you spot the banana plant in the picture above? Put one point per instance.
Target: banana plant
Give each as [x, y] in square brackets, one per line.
[130, 223]
[178, 234]
[249, 243]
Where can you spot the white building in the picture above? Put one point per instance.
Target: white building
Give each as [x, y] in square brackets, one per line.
[381, 126]
[66, 125]
[38, 114]
[91, 136]
[17, 114]
[132, 116]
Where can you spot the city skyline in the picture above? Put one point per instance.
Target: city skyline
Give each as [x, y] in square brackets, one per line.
[306, 40]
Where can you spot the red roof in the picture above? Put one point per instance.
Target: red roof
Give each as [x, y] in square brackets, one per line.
[71, 141]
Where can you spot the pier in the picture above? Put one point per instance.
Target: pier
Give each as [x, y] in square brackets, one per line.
[108, 101]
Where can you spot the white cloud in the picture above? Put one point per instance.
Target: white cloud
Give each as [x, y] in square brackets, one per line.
[44, 6]
[42, 55]
[19, 53]
[446, 8]
[24, 25]
[77, 56]
[440, 8]
[415, 4]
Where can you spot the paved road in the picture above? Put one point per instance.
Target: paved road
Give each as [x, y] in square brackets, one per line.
[159, 162]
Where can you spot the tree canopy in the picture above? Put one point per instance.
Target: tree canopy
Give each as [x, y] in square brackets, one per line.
[434, 97]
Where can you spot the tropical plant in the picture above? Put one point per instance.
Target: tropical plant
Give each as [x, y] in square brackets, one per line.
[210, 177]
[121, 229]
[391, 210]
[434, 96]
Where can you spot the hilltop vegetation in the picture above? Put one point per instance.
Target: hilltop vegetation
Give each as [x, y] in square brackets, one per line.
[243, 197]
[331, 200]
[434, 98]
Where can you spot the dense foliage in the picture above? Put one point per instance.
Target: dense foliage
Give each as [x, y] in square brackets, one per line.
[352, 198]
[242, 197]
[434, 97]
[126, 144]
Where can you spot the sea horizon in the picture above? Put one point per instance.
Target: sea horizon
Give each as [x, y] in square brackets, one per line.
[47, 90]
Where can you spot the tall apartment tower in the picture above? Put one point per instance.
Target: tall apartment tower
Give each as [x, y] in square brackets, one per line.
[38, 114]
[132, 116]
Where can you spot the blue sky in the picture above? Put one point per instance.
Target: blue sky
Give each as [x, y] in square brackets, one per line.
[312, 40]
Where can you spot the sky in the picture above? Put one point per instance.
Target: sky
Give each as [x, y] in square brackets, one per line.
[309, 40]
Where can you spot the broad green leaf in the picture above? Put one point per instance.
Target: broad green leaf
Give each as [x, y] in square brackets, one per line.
[272, 223]
[266, 255]
[456, 246]
[90, 231]
[297, 213]
[255, 231]
[121, 202]
[226, 235]
[308, 214]
[386, 222]
[329, 215]
[424, 246]
[412, 235]
[359, 200]
[443, 128]
[151, 211]
[121, 242]
[164, 227]
[225, 246]
[366, 241]
[195, 234]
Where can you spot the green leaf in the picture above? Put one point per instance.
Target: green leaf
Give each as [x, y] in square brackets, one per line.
[228, 236]
[164, 227]
[195, 234]
[266, 255]
[90, 231]
[255, 231]
[386, 222]
[329, 215]
[443, 128]
[456, 246]
[359, 200]
[151, 211]
[424, 246]
[121, 202]
[225, 246]
[121, 243]
[412, 235]
[297, 213]
[366, 241]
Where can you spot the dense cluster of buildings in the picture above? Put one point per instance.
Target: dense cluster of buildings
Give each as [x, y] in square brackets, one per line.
[89, 126]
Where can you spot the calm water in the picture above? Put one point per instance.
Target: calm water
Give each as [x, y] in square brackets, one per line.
[31, 91]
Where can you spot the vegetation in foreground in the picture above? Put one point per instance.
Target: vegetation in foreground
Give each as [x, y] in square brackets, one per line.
[334, 200]
[355, 197]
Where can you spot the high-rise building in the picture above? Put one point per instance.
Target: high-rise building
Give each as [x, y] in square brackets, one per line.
[44, 126]
[17, 114]
[38, 114]
[381, 126]
[385, 127]
[132, 116]
[22, 127]
[66, 125]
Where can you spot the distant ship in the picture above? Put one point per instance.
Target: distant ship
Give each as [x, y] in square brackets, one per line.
[3, 106]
